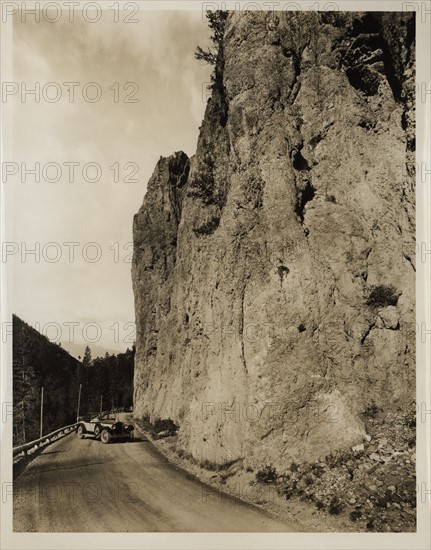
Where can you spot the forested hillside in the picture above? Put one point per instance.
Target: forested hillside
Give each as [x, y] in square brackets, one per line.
[107, 382]
[38, 363]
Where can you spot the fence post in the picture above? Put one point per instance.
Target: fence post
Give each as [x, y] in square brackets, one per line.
[79, 401]
[41, 413]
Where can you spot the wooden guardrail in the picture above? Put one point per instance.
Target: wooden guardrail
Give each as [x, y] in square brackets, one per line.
[42, 441]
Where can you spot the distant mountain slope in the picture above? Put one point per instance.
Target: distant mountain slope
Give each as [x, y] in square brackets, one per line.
[77, 349]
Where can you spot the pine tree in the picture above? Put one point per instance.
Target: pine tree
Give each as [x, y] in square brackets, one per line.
[86, 375]
[87, 357]
[217, 23]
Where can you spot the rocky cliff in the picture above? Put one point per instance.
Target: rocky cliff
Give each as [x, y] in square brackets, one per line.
[273, 272]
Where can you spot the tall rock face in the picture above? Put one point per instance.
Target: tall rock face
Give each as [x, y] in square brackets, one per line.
[274, 272]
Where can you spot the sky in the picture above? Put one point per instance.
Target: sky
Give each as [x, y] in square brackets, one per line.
[111, 138]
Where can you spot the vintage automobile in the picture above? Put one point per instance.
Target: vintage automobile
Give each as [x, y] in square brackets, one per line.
[105, 427]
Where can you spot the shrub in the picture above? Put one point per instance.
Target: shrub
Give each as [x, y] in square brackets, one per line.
[165, 425]
[410, 420]
[317, 470]
[335, 506]
[202, 185]
[355, 515]
[214, 467]
[184, 454]
[309, 480]
[207, 227]
[372, 410]
[382, 296]
[268, 474]
[208, 465]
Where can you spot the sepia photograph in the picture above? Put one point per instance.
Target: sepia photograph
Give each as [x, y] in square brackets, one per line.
[215, 274]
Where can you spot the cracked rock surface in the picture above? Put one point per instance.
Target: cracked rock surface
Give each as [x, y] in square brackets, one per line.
[273, 272]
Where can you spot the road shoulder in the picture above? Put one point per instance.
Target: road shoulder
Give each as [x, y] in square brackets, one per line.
[236, 483]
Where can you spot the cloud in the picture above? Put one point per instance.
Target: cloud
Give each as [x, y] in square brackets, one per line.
[157, 54]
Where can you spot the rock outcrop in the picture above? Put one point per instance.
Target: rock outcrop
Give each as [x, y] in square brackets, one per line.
[273, 272]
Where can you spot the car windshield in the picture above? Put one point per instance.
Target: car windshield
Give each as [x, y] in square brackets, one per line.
[103, 416]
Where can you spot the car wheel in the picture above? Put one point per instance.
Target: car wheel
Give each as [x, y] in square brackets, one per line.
[105, 436]
[97, 430]
[81, 432]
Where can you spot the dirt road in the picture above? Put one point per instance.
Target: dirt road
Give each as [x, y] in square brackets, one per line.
[85, 486]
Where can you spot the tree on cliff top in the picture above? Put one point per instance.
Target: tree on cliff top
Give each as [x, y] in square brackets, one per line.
[87, 357]
[217, 23]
